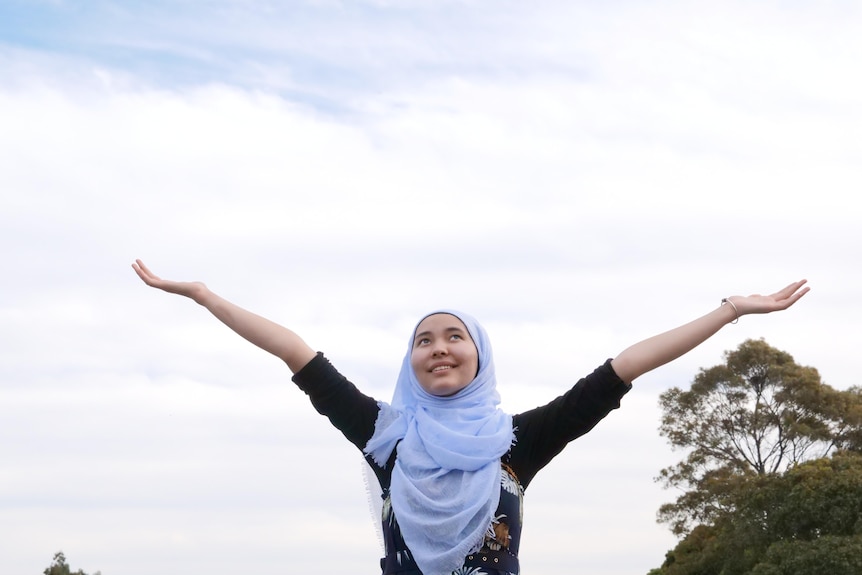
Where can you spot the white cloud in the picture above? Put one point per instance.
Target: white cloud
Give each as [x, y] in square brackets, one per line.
[577, 178]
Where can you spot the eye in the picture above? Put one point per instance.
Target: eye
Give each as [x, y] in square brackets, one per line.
[456, 336]
[423, 341]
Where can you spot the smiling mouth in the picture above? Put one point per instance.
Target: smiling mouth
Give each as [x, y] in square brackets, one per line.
[440, 368]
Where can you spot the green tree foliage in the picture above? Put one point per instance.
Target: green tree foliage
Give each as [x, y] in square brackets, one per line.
[828, 554]
[757, 414]
[60, 567]
[851, 408]
[805, 521]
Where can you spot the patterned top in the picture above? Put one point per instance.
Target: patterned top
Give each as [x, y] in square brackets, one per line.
[540, 435]
[499, 552]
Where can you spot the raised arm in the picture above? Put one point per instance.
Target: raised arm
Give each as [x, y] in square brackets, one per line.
[263, 333]
[665, 347]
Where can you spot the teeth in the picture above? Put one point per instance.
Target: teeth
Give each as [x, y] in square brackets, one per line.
[441, 368]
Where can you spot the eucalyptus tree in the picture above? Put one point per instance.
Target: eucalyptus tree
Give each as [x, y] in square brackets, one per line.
[758, 413]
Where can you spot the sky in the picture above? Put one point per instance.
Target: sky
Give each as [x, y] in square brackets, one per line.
[577, 175]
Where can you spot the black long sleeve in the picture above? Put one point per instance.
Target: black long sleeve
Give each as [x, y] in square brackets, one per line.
[334, 396]
[543, 432]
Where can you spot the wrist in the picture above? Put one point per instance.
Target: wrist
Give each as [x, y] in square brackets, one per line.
[727, 302]
[202, 295]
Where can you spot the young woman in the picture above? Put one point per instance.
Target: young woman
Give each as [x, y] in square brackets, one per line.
[451, 465]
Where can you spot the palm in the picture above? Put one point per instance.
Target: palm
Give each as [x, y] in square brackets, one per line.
[780, 300]
[187, 289]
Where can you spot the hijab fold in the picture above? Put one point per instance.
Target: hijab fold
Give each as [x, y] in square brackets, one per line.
[446, 478]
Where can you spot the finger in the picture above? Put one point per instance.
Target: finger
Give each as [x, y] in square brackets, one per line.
[144, 268]
[145, 274]
[794, 297]
[139, 270]
[789, 290]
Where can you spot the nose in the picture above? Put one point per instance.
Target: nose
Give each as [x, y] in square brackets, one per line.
[439, 348]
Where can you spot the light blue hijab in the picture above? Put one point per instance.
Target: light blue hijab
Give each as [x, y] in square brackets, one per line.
[446, 479]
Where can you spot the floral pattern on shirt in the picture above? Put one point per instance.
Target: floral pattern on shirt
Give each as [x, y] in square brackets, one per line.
[497, 536]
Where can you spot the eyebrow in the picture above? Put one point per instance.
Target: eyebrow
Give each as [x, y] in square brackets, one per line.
[446, 330]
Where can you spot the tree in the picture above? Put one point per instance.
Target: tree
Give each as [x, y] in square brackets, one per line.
[757, 414]
[851, 409]
[828, 554]
[60, 567]
[805, 521]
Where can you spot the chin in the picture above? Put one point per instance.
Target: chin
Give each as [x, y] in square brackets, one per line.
[447, 391]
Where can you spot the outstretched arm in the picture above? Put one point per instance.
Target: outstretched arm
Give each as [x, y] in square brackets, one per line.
[666, 347]
[263, 333]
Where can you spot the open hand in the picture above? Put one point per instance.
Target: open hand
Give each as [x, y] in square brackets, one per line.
[778, 301]
[193, 290]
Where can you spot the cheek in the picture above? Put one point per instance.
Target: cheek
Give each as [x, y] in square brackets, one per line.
[415, 361]
[474, 358]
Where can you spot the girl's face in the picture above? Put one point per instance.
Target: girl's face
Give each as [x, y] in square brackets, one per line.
[444, 357]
